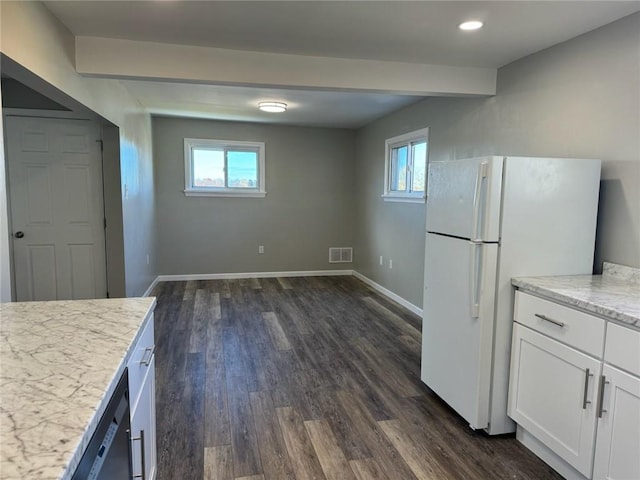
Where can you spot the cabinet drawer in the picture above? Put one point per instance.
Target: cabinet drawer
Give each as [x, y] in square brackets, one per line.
[139, 362]
[577, 329]
[622, 348]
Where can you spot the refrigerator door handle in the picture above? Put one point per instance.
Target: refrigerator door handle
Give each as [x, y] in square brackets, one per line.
[477, 197]
[474, 280]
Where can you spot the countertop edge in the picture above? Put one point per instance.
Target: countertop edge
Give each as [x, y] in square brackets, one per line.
[590, 307]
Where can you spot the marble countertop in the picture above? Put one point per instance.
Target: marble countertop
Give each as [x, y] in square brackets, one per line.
[59, 364]
[614, 295]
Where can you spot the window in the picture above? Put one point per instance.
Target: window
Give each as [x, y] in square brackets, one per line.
[405, 178]
[221, 168]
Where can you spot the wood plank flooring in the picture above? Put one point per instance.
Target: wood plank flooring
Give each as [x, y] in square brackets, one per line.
[314, 378]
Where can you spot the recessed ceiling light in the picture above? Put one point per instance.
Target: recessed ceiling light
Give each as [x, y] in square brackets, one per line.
[273, 107]
[471, 25]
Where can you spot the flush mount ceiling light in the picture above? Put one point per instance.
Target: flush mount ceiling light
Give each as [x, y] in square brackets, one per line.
[471, 25]
[273, 107]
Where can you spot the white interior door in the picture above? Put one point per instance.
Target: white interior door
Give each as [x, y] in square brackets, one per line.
[457, 327]
[57, 212]
[463, 198]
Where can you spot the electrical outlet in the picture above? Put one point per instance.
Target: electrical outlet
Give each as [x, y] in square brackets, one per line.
[260, 248]
[390, 263]
[380, 259]
[147, 259]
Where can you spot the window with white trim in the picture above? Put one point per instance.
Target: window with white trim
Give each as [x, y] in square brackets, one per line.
[405, 172]
[223, 168]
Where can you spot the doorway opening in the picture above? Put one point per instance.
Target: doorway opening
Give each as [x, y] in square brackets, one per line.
[63, 193]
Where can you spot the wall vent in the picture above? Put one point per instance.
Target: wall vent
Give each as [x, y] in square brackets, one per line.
[340, 255]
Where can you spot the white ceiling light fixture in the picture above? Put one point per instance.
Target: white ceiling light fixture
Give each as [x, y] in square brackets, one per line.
[272, 107]
[471, 25]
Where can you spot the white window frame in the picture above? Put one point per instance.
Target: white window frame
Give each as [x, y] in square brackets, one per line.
[406, 139]
[204, 143]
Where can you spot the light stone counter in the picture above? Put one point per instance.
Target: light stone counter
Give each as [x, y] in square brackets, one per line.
[614, 295]
[59, 364]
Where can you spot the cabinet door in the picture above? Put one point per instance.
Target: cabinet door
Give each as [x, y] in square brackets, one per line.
[552, 395]
[143, 429]
[618, 442]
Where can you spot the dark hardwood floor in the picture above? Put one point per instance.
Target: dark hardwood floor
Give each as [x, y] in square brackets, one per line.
[307, 378]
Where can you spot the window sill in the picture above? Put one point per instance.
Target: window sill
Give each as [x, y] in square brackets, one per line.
[209, 193]
[404, 198]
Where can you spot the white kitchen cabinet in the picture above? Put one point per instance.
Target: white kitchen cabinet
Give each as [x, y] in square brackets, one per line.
[553, 394]
[143, 430]
[142, 394]
[575, 390]
[617, 454]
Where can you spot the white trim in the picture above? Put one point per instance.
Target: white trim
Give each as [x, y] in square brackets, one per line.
[310, 273]
[147, 292]
[224, 193]
[210, 143]
[231, 276]
[388, 293]
[406, 138]
[404, 198]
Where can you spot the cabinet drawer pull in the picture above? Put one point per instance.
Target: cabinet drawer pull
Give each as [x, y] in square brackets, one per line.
[603, 382]
[550, 320]
[148, 354]
[143, 474]
[586, 402]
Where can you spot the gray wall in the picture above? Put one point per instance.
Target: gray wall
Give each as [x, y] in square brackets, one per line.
[18, 95]
[42, 51]
[308, 207]
[577, 99]
[138, 202]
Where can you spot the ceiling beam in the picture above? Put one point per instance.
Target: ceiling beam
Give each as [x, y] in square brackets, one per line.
[128, 59]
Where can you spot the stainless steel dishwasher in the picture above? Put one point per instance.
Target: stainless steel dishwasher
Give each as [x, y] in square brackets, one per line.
[108, 455]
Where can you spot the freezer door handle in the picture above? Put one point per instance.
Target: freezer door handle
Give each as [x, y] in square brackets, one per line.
[475, 280]
[478, 200]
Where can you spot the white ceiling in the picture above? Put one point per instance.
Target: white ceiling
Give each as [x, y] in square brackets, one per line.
[421, 32]
[305, 107]
[415, 32]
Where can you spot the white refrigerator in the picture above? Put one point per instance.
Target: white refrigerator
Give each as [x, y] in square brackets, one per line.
[488, 220]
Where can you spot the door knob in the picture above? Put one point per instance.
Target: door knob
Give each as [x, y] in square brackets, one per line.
[19, 234]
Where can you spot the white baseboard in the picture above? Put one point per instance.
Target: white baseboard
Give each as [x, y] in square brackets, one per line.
[231, 276]
[310, 273]
[148, 291]
[388, 293]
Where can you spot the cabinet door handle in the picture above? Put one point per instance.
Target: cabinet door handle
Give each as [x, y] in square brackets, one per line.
[550, 320]
[143, 474]
[586, 402]
[148, 353]
[600, 409]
